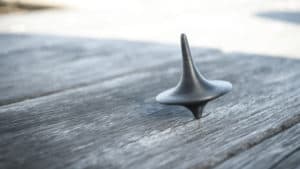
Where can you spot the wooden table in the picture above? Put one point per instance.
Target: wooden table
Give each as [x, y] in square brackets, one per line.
[89, 103]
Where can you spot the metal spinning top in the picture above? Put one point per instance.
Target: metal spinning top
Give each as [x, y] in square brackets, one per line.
[193, 90]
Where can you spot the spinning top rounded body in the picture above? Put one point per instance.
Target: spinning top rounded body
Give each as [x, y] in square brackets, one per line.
[193, 90]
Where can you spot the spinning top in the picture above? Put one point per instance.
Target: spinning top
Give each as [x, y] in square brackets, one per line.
[193, 90]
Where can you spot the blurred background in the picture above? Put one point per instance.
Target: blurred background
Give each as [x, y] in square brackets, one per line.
[269, 27]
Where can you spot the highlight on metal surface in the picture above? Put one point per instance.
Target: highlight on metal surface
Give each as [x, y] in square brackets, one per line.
[193, 90]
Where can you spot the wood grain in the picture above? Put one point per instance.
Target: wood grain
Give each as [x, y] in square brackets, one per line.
[44, 65]
[114, 122]
[279, 152]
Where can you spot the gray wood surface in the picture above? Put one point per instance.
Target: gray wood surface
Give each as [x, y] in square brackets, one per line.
[87, 103]
[46, 65]
[279, 152]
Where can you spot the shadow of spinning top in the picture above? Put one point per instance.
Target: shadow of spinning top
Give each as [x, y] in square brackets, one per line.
[193, 90]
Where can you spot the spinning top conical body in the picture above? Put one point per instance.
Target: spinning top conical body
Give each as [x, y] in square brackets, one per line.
[193, 90]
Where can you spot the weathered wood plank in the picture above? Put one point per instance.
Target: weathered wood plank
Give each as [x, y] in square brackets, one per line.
[281, 151]
[33, 66]
[292, 160]
[117, 123]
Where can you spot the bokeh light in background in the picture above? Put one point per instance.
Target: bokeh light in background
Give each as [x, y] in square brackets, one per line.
[229, 25]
